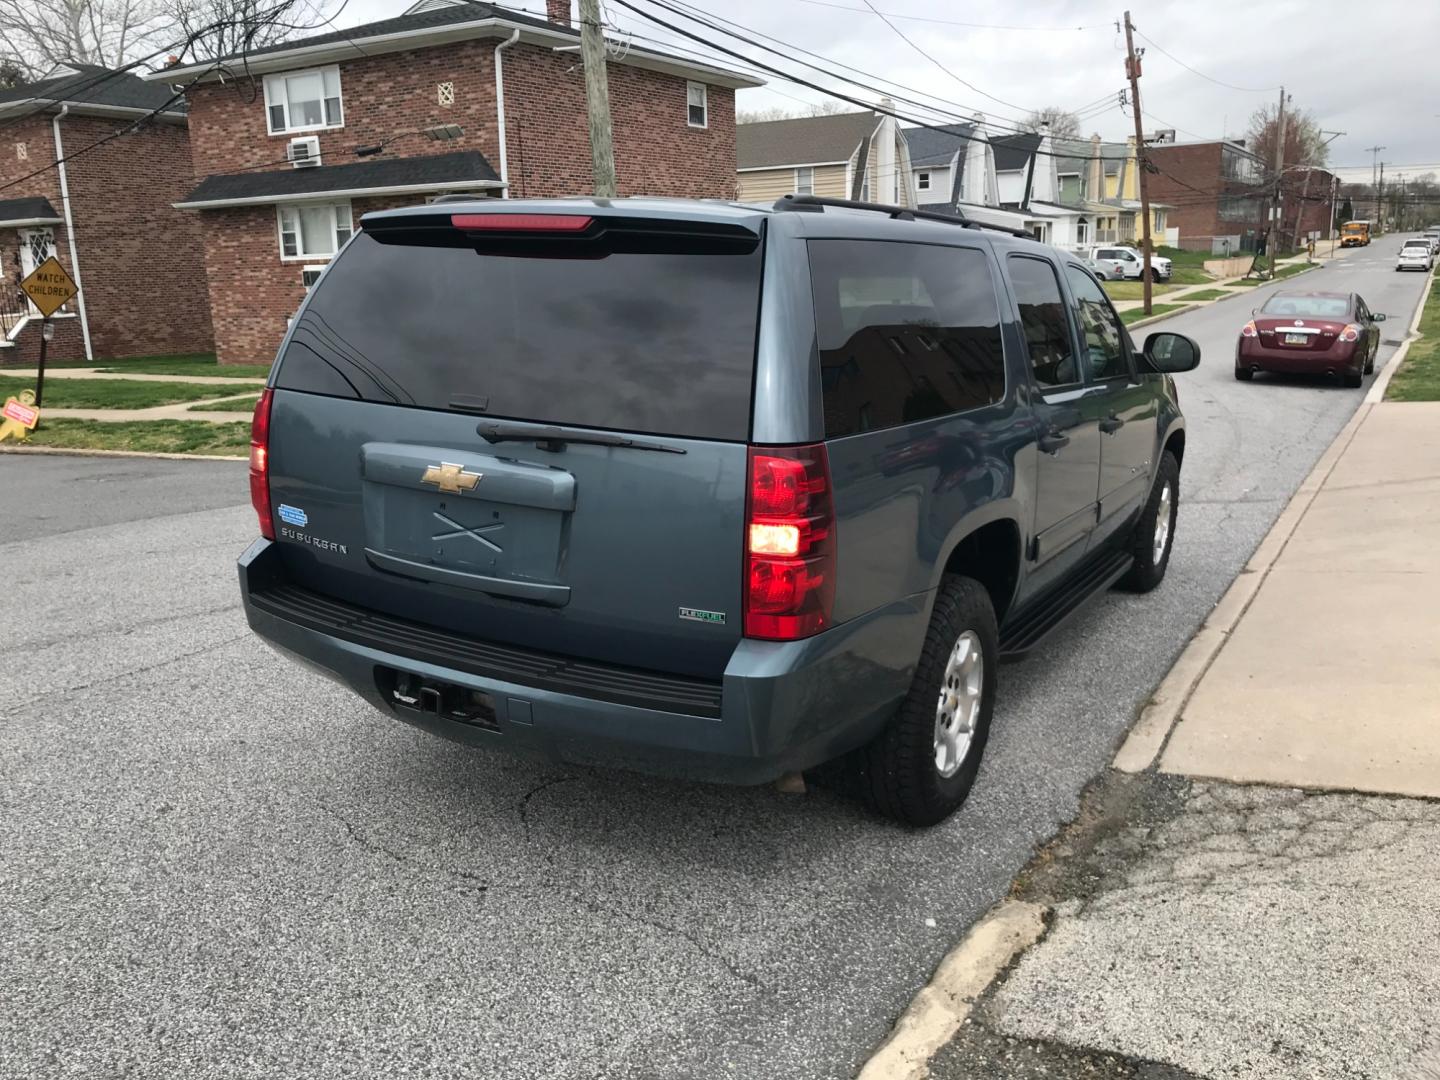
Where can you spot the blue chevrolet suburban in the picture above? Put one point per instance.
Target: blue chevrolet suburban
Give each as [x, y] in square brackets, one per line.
[711, 489]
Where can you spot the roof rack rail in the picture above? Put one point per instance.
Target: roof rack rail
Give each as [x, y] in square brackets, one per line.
[456, 196]
[816, 204]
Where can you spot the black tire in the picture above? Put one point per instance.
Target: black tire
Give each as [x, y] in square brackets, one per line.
[896, 773]
[1244, 374]
[1369, 368]
[1148, 571]
[1352, 381]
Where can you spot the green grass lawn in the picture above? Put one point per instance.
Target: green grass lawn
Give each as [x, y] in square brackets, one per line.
[1244, 283]
[1418, 378]
[1185, 275]
[109, 393]
[1136, 314]
[1291, 270]
[1181, 257]
[192, 366]
[1203, 294]
[245, 404]
[1133, 290]
[155, 436]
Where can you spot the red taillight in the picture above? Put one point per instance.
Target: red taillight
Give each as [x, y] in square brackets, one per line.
[260, 464]
[1248, 330]
[789, 543]
[1350, 333]
[563, 223]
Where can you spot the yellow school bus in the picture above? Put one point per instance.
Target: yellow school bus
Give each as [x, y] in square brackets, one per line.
[1355, 234]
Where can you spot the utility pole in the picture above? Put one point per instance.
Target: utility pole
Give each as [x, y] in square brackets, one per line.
[1132, 69]
[1374, 161]
[1279, 179]
[1380, 198]
[597, 98]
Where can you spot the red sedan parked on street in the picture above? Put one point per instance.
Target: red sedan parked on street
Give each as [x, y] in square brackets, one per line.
[1310, 333]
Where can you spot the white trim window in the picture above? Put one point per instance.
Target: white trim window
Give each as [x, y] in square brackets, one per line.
[805, 180]
[303, 101]
[922, 181]
[697, 105]
[312, 230]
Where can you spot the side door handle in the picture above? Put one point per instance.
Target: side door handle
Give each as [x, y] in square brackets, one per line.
[1111, 425]
[1053, 441]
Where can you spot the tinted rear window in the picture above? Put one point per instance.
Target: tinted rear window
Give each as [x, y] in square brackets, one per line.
[661, 343]
[907, 332]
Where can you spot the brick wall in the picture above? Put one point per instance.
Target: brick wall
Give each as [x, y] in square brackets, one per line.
[252, 292]
[1197, 213]
[140, 262]
[140, 258]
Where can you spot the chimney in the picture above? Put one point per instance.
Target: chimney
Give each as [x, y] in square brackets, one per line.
[1096, 185]
[558, 11]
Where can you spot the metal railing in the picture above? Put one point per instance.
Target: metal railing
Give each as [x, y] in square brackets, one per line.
[14, 307]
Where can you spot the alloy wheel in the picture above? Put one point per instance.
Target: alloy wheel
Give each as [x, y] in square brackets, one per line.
[957, 712]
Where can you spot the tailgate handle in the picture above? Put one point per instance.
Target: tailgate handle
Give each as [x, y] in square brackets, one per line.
[535, 592]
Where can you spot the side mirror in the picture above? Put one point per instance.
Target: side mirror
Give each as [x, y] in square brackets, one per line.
[1378, 317]
[1171, 353]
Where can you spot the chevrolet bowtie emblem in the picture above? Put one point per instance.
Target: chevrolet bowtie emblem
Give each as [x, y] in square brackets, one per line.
[451, 478]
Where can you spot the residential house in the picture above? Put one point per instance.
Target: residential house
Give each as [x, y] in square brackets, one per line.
[859, 155]
[105, 213]
[937, 161]
[1015, 166]
[1112, 196]
[274, 140]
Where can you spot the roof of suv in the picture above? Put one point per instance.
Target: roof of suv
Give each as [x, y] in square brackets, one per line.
[812, 218]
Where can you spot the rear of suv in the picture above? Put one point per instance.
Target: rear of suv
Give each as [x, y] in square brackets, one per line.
[714, 490]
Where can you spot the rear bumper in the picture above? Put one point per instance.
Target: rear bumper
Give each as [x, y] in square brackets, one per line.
[783, 706]
[1342, 356]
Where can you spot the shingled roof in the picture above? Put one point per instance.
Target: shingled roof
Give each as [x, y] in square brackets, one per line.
[805, 140]
[1013, 152]
[936, 146]
[89, 84]
[465, 169]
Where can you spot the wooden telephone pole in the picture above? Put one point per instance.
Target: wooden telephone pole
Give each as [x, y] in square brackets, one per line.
[1132, 69]
[597, 98]
[1277, 241]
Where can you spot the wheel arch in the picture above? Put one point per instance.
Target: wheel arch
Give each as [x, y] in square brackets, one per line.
[990, 552]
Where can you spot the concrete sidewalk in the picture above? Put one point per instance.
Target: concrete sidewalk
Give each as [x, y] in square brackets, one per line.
[1254, 892]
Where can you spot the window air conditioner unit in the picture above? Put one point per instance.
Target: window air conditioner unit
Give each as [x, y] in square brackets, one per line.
[303, 153]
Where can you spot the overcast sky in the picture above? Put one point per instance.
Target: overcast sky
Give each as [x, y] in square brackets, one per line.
[1371, 70]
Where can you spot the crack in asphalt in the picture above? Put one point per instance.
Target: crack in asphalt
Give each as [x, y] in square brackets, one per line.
[376, 847]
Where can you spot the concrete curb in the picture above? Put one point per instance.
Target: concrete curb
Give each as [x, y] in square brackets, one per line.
[942, 1005]
[1142, 747]
[73, 452]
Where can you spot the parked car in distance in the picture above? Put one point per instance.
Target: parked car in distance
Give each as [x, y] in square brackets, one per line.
[1416, 253]
[1131, 261]
[682, 516]
[1432, 233]
[1106, 269]
[1310, 333]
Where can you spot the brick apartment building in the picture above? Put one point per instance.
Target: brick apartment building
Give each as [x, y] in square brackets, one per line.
[1216, 191]
[270, 226]
[106, 214]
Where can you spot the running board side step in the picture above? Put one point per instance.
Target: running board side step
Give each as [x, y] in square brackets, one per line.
[1035, 623]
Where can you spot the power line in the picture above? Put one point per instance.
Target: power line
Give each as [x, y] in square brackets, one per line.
[1208, 78]
[969, 86]
[799, 81]
[956, 22]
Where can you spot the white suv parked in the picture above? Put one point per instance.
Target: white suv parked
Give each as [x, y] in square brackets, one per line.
[1416, 254]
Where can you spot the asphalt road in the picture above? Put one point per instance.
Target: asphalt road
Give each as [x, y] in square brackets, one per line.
[215, 864]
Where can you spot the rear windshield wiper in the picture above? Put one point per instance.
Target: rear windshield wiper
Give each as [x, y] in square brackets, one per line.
[554, 438]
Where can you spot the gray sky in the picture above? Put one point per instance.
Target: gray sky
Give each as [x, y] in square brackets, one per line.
[1382, 91]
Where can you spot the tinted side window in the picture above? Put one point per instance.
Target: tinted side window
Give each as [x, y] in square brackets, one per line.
[1104, 336]
[906, 332]
[1042, 315]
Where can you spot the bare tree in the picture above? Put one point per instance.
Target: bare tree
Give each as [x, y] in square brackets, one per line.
[824, 108]
[217, 28]
[1064, 124]
[36, 35]
[1304, 143]
[39, 35]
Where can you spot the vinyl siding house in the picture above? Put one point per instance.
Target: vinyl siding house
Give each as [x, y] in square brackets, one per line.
[860, 155]
[277, 187]
[106, 215]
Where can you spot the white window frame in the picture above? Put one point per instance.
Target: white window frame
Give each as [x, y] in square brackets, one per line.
[703, 103]
[805, 180]
[312, 268]
[922, 181]
[276, 95]
[338, 211]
